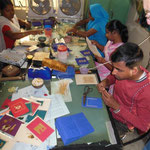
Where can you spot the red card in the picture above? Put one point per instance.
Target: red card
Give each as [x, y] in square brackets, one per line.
[18, 107]
[40, 129]
[5, 103]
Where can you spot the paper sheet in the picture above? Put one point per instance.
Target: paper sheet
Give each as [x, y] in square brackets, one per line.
[39, 56]
[93, 48]
[9, 142]
[52, 139]
[66, 93]
[29, 91]
[84, 79]
[26, 136]
[12, 57]
[58, 108]
[27, 42]
[111, 133]
[45, 105]
[20, 145]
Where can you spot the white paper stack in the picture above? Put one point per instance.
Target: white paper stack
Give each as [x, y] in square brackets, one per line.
[12, 57]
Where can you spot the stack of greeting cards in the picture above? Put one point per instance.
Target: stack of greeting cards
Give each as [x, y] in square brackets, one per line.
[74, 127]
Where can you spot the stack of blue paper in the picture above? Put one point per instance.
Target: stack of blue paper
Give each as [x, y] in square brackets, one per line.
[70, 73]
[72, 128]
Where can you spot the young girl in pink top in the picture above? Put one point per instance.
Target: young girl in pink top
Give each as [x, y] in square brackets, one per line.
[117, 34]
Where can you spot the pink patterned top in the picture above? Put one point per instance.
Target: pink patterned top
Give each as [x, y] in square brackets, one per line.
[108, 49]
[102, 70]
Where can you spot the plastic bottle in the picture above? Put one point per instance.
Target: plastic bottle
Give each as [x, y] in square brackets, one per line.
[48, 30]
[62, 53]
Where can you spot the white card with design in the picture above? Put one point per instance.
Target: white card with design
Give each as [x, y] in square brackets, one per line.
[26, 136]
[85, 79]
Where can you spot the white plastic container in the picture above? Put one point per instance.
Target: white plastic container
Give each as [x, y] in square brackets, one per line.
[62, 53]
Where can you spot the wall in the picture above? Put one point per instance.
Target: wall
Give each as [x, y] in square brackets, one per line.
[137, 34]
[117, 9]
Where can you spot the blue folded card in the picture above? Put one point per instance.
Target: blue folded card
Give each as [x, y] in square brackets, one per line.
[82, 61]
[73, 127]
[86, 52]
[93, 102]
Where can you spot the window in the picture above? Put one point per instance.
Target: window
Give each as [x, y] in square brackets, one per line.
[20, 3]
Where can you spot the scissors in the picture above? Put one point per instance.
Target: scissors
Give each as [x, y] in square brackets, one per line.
[87, 89]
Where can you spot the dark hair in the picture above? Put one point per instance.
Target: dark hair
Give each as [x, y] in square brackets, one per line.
[130, 53]
[4, 3]
[116, 25]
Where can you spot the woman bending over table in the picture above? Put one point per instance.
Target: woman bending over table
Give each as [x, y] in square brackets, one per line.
[95, 25]
[10, 26]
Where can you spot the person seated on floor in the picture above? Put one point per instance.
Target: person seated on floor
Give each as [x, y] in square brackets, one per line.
[10, 26]
[146, 5]
[95, 25]
[117, 34]
[130, 102]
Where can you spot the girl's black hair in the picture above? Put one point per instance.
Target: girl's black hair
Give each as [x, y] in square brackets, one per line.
[4, 3]
[116, 25]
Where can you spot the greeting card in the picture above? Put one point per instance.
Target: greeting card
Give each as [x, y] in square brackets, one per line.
[40, 129]
[86, 52]
[2, 143]
[93, 48]
[9, 125]
[6, 101]
[18, 107]
[82, 61]
[26, 136]
[92, 102]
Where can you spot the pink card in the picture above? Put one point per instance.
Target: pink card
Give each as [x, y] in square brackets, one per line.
[40, 129]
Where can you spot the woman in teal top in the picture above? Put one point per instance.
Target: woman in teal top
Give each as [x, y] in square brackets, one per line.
[95, 25]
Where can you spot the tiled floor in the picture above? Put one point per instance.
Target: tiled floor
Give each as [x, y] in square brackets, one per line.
[139, 145]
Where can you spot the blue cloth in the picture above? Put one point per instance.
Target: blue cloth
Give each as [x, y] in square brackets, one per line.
[147, 146]
[101, 18]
